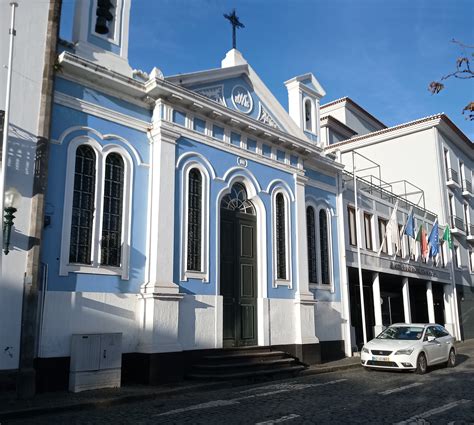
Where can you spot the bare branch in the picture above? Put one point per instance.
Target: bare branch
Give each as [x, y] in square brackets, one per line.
[461, 44]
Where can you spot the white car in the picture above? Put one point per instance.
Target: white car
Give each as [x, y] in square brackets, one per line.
[409, 347]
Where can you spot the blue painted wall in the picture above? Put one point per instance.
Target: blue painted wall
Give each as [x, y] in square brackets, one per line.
[64, 118]
[221, 162]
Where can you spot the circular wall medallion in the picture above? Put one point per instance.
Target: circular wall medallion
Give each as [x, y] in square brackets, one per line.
[242, 99]
[242, 162]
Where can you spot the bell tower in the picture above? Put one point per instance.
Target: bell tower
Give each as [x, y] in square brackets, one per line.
[100, 32]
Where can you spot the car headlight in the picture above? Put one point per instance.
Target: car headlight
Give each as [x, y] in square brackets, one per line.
[365, 350]
[405, 352]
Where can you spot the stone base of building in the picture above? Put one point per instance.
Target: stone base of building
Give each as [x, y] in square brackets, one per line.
[157, 368]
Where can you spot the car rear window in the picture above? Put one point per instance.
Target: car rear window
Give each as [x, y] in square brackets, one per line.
[402, 332]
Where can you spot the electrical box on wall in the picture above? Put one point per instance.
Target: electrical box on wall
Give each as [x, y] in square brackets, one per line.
[96, 361]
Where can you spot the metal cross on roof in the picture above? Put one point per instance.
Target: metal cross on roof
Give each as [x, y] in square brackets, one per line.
[234, 21]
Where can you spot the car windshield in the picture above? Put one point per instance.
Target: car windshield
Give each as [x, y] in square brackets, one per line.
[402, 332]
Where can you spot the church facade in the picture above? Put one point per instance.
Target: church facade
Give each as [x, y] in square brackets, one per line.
[188, 212]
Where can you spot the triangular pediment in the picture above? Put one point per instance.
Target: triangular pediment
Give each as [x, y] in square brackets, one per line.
[238, 87]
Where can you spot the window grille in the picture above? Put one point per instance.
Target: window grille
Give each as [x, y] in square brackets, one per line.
[324, 246]
[280, 236]
[237, 200]
[82, 206]
[311, 236]
[111, 242]
[194, 220]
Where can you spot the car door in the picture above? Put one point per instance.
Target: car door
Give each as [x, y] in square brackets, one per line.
[445, 339]
[433, 349]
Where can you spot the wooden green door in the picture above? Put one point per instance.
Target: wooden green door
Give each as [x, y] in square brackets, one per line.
[238, 277]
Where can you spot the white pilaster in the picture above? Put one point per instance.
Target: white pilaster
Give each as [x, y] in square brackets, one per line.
[429, 300]
[377, 305]
[304, 302]
[160, 294]
[406, 300]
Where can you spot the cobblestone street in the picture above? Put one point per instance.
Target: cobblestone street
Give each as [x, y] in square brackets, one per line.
[351, 396]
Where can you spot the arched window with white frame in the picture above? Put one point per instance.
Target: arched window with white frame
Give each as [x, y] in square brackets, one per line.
[281, 238]
[96, 217]
[324, 247]
[195, 221]
[312, 252]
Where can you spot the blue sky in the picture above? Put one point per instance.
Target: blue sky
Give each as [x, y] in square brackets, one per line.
[382, 54]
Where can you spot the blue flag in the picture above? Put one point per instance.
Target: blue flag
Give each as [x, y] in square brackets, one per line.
[433, 240]
[410, 226]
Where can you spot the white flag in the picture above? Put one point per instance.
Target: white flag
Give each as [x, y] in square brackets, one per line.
[391, 230]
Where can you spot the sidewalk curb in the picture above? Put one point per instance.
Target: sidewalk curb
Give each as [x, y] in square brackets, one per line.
[106, 402]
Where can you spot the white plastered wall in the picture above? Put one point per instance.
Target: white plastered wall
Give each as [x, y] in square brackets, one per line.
[328, 316]
[28, 64]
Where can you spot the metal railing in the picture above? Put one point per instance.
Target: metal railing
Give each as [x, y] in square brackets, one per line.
[456, 222]
[466, 186]
[453, 175]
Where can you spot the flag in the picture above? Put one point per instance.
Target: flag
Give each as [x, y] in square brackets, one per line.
[392, 230]
[447, 237]
[433, 239]
[410, 225]
[421, 237]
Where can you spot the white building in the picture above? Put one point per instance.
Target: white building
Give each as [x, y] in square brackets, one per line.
[437, 158]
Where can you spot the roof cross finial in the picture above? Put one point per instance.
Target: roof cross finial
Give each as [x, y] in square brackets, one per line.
[234, 21]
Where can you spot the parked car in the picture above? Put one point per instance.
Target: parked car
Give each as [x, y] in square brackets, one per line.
[410, 347]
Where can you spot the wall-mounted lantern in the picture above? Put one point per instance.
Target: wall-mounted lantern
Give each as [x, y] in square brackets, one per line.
[11, 199]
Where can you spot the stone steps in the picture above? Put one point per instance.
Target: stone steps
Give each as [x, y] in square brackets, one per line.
[245, 363]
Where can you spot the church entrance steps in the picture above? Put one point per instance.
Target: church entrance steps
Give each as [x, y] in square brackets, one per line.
[245, 363]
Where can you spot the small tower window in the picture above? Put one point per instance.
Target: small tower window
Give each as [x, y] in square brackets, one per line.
[105, 17]
[308, 116]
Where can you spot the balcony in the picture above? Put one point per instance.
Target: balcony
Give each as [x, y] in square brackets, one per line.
[457, 225]
[466, 188]
[453, 178]
[470, 232]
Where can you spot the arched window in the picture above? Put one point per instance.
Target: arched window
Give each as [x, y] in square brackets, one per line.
[111, 242]
[311, 236]
[308, 115]
[82, 206]
[280, 235]
[194, 220]
[96, 216]
[324, 246]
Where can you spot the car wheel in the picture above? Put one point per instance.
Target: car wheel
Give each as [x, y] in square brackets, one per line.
[421, 364]
[451, 359]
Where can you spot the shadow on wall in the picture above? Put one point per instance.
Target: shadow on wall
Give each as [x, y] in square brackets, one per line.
[189, 315]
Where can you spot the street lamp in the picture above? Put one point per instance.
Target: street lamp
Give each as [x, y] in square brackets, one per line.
[10, 200]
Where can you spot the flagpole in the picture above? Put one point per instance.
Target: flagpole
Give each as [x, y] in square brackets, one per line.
[357, 223]
[6, 121]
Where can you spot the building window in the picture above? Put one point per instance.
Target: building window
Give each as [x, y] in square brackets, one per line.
[194, 220]
[280, 235]
[467, 219]
[96, 217]
[311, 235]
[452, 209]
[352, 226]
[471, 261]
[457, 256]
[111, 242]
[368, 231]
[324, 246]
[383, 234]
[105, 17]
[447, 163]
[308, 115]
[83, 206]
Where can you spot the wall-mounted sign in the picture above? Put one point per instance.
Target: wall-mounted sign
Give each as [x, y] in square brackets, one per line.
[412, 269]
[242, 99]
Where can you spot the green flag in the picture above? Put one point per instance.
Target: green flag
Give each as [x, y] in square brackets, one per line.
[447, 237]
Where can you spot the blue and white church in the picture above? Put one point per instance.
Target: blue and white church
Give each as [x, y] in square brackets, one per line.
[188, 213]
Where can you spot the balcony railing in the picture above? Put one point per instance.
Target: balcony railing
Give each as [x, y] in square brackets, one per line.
[470, 229]
[453, 175]
[466, 186]
[456, 222]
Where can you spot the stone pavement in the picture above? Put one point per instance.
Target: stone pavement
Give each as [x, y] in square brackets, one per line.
[55, 402]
